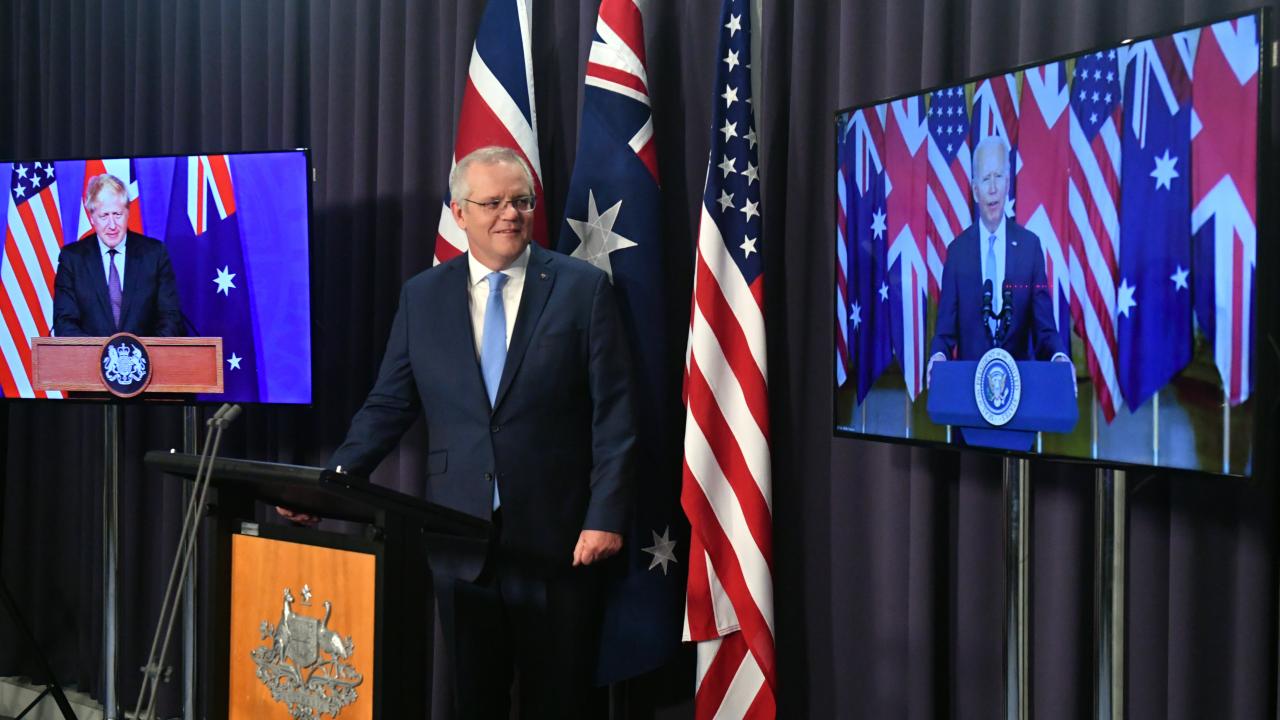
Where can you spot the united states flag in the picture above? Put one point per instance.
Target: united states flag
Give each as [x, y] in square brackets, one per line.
[123, 170]
[613, 218]
[727, 491]
[949, 197]
[843, 305]
[497, 109]
[1224, 186]
[907, 170]
[1093, 196]
[1046, 159]
[33, 239]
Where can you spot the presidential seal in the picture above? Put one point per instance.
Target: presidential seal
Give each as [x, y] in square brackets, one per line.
[997, 387]
[126, 365]
[305, 663]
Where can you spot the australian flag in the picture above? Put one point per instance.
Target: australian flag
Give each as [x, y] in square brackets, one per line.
[1153, 302]
[208, 260]
[612, 221]
[869, 316]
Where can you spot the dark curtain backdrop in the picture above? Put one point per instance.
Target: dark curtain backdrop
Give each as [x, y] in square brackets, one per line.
[888, 559]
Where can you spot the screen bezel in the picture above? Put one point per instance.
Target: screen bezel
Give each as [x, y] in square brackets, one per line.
[1265, 363]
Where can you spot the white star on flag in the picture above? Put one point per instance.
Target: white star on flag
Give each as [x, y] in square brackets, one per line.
[751, 137]
[234, 361]
[729, 130]
[735, 24]
[731, 60]
[22, 171]
[597, 235]
[730, 95]
[884, 292]
[1126, 300]
[749, 209]
[751, 173]
[225, 276]
[1165, 172]
[877, 223]
[748, 246]
[728, 166]
[1179, 278]
[856, 315]
[726, 200]
[662, 550]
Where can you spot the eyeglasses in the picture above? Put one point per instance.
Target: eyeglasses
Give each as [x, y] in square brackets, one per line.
[524, 204]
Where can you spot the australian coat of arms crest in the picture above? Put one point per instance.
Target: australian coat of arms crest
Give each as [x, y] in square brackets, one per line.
[305, 663]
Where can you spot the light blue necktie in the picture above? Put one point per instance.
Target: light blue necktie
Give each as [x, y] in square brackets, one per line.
[991, 275]
[493, 346]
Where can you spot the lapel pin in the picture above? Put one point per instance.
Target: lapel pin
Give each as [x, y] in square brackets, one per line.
[542, 276]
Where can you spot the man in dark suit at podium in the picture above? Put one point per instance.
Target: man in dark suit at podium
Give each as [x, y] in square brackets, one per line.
[994, 288]
[114, 280]
[516, 358]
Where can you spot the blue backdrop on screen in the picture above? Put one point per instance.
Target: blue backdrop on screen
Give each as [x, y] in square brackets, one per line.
[236, 228]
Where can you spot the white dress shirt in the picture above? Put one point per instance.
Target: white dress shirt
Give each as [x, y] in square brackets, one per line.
[479, 294]
[106, 259]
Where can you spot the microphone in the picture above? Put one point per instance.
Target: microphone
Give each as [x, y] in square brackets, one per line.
[224, 416]
[1006, 311]
[986, 309]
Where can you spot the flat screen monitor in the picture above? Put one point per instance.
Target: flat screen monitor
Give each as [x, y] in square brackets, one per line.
[1099, 209]
[203, 246]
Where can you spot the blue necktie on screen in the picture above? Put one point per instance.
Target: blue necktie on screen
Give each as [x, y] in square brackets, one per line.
[493, 346]
[114, 293]
[991, 275]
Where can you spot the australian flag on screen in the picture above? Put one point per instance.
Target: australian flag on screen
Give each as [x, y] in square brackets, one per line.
[612, 220]
[208, 260]
[1153, 301]
[869, 318]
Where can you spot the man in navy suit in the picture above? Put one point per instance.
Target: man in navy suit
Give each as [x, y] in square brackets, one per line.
[114, 280]
[1016, 309]
[516, 358]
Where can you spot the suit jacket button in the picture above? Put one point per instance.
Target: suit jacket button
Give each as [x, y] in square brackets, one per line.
[488, 477]
[494, 428]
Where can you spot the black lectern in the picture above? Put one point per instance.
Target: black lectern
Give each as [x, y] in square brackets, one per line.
[299, 620]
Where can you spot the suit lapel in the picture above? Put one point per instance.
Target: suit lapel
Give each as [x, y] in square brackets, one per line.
[459, 337]
[538, 281]
[132, 269]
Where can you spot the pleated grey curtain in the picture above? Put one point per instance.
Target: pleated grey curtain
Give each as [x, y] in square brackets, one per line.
[888, 559]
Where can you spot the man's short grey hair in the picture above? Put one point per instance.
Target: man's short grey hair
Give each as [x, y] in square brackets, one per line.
[990, 141]
[100, 184]
[491, 155]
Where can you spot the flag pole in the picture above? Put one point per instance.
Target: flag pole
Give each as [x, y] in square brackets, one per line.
[1226, 431]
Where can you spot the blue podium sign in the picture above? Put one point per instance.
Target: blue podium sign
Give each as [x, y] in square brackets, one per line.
[999, 403]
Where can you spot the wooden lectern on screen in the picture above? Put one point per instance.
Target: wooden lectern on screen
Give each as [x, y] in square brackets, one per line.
[84, 364]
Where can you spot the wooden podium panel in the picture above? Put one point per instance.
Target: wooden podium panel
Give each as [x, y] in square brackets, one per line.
[179, 365]
[281, 588]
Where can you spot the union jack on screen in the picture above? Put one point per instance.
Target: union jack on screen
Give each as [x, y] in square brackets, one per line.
[727, 491]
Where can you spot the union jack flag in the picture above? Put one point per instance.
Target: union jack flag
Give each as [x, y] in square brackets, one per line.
[907, 170]
[122, 169]
[497, 109]
[612, 220]
[949, 198]
[33, 240]
[1093, 188]
[1045, 161]
[1224, 186]
[727, 491]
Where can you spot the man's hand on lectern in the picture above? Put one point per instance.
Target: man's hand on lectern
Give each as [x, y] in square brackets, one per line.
[297, 517]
